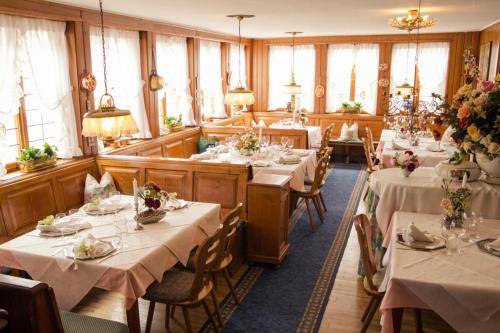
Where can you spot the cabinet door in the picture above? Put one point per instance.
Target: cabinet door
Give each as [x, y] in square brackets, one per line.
[175, 149]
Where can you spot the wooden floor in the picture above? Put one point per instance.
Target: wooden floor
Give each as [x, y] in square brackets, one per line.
[348, 300]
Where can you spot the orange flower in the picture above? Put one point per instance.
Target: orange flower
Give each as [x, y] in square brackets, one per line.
[463, 112]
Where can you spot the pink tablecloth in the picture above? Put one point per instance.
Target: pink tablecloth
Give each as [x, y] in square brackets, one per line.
[464, 290]
[149, 254]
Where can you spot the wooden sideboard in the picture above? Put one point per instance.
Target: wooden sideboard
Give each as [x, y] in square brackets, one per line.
[29, 198]
[268, 200]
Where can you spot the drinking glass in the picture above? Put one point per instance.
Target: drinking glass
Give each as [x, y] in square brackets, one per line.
[115, 197]
[284, 142]
[472, 226]
[290, 144]
[453, 239]
[121, 224]
[265, 141]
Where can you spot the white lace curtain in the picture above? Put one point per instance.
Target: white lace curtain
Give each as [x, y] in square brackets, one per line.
[44, 44]
[172, 65]
[123, 60]
[210, 92]
[432, 67]
[280, 64]
[233, 66]
[341, 59]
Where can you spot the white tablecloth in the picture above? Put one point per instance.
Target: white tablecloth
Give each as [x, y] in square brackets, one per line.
[313, 133]
[421, 193]
[150, 253]
[464, 290]
[426, 157]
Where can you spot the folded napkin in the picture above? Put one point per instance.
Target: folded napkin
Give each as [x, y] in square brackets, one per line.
[301, 152]
[253, 123]
[90, 247]
[414, 232]
[174, 204]
[200, 157]
[495, 245]
[292, 158]
[261, 163]
[103, 206]
[397, 146]
[69, 224]
[434, 148]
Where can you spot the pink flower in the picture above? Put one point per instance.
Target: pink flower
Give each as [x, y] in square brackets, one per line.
[463, 112]
[487, 86]
[445, 202]
[411, 166]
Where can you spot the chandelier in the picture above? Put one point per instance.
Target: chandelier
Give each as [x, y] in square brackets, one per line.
[293, 88]
[108, 123]
[239, 96]
[412, 21]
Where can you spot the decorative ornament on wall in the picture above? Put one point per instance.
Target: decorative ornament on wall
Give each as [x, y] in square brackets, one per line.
[88, 82]
[383, 67]
[383, 83]
[319, 91]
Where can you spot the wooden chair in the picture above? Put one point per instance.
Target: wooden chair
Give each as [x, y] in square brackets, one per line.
[373, 277]
[30, 306]
[369, 136]
[188, 289]
[370, 166]
[325, 140]
[313, 192]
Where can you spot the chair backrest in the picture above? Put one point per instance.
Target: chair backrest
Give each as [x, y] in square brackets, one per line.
[369, 135]
[369, 161]
[320, 172]
[30, 305]
[363, 231]
[325, 140]
[205, 260]
[229, 228]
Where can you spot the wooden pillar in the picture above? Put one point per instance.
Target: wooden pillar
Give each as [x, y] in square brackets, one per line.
[193, 47]
[225, 50]
[259, 80]
[321, 78]
[147, 40]
[384, 73]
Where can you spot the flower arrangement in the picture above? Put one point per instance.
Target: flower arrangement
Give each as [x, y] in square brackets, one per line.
[474, 117]
[407, 161]
[303, 117]
[153, 196]
[248, 142]
[454, 203]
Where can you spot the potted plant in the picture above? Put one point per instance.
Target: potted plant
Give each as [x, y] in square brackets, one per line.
[407, 161]
[174, 124]
[454, 204]
[354, 107]
[34, 158]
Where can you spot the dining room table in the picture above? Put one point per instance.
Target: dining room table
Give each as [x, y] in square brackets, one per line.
[313, 132]
[421, 192]
[428, 151]
[141, 256]
[463, 288]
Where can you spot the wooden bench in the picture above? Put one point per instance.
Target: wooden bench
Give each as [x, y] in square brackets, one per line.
[347, 145]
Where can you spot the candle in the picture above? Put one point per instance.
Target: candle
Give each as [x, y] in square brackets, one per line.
[261, 125]
[136, 193]
[464, 179]
[293, 119]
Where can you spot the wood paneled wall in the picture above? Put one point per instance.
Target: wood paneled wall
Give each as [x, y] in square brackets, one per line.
[492, 34]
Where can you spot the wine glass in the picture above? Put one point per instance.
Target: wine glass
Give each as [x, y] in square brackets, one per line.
[115, 197]
[290, 144]
[121, 224]
[284, 141]
[453, 239]
[265, 141]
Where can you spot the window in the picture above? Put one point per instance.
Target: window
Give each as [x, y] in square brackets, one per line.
[172, 64]
[36, 90]
[352, 76]
[211, 97]
[233, 66]
[432, 67]
[123, 60]
[280, 66]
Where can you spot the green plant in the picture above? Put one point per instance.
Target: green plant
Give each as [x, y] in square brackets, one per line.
[173, 121]
[36, 154]
[353, 105]
[346, 105]
[357, 105]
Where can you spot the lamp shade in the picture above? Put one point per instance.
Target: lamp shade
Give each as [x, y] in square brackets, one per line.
[292, 89]
[239, 96]
[405, 90]
[108, 123]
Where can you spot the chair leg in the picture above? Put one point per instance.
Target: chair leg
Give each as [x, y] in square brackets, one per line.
[418, 320]
[371, 313]
[311, 221]
[149, 321]
[185, 313]
[322, 201]
[210, 316]
[230, 285]
[317, 205]
[214, 280]
[368, 308]
[172, 312]
[216, 306]
[167, 315]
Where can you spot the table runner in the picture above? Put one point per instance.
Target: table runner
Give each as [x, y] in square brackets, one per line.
[464, 290]
[150, 253]
[421, 193]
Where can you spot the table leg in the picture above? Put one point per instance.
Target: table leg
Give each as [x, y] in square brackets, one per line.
[133, 320]
[397, 318]
[347, 154]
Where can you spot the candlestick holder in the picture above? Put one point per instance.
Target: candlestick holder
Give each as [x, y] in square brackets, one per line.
[138, 225]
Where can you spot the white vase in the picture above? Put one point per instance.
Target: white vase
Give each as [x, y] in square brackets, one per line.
[446, 170]
[406, 172]
[490, 167]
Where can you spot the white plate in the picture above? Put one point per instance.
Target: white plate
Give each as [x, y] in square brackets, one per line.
[438, 243]
[110, 248]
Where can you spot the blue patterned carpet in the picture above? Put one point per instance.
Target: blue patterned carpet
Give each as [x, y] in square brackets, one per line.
[293, 297]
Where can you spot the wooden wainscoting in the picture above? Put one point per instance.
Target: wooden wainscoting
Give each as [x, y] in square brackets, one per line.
[26, 199]
[192, 180]
[180, 144]
[221, 133]
[375, 123]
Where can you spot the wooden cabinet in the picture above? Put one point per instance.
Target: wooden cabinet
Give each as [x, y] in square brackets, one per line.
[268, 200]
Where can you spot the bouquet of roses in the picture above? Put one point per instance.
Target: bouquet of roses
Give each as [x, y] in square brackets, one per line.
[456, 202]
[153, 195]
[248, 142]
[407, 160]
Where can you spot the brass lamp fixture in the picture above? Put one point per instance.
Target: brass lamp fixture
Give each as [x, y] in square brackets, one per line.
[412, 21]
[293, 88]
[107, 123]
[239, 96]
[156, 82]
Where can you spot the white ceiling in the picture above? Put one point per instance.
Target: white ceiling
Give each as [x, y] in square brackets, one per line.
[313, 17]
